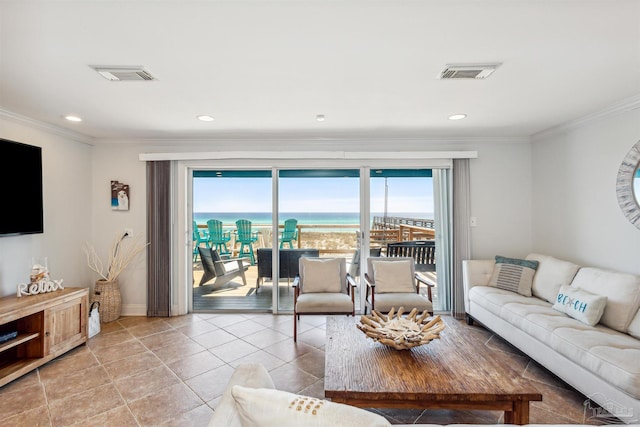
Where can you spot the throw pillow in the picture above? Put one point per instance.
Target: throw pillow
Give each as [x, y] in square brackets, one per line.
[550, 275]
[248, 374]
[266, 407]
[512, 274]
[621, 289]
[321, 275]
[634, 327]
[580, 304]
[393, 276]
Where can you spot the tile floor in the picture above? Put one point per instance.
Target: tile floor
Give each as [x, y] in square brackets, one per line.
[172, 371]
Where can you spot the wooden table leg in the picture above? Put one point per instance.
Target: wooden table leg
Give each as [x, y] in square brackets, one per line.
[520, 413]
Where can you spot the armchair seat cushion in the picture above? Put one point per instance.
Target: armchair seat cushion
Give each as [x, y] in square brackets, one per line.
[384, 302]
[318, 303]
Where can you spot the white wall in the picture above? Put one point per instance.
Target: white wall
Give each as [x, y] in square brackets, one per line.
[67, 213]
[575, 210]
[555, 196]
[120, 163]
[501, 201]
[77, 180]
[501, 192]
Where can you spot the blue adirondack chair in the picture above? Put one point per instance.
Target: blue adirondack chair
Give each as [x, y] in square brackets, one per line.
[199, 237]
[246, 237]
[289, 233]
[218, 238]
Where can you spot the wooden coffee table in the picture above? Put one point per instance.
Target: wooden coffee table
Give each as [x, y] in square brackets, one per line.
[447, 373]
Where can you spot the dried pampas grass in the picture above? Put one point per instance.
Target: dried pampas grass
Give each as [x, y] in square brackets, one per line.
[122, 253]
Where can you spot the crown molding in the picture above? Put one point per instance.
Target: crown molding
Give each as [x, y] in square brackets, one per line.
[47, 127]
[318, 141]
[622, 106]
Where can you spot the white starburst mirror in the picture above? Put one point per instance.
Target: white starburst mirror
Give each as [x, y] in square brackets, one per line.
[628, 185]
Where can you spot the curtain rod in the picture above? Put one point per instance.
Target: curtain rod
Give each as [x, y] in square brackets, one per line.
[347, 155]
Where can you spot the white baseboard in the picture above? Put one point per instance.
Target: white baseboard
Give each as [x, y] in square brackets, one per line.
[133, 310]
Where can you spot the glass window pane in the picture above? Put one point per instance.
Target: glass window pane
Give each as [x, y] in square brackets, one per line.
[402, 213]
[326, 206]
[220, 199]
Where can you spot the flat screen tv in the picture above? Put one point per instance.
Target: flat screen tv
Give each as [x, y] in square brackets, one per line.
[21, 177]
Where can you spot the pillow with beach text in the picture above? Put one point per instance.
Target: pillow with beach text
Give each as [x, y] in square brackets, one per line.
[580, 304]
[512, 274]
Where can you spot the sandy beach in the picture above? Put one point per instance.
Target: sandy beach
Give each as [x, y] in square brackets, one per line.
[329, 240]
[339, 240]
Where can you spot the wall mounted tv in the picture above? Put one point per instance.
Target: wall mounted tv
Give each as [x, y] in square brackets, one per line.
[21, 177]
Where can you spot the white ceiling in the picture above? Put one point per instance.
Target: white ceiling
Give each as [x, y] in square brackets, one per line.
[266, 68]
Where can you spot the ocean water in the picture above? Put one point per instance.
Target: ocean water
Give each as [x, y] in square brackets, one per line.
[309, 218]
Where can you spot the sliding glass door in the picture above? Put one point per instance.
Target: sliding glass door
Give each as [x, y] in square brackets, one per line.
[353, 213]
[402, 208]
[325, 206]
[232, 219]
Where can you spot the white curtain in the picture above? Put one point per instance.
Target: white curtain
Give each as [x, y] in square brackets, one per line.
[442, 216]
[461, 235]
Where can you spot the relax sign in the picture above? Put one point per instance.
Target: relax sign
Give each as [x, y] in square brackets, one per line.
[39, 287]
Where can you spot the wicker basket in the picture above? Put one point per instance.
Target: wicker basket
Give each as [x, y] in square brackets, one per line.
[110, 299]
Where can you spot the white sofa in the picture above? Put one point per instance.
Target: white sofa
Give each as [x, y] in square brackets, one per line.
[600, 361]
[251, 400]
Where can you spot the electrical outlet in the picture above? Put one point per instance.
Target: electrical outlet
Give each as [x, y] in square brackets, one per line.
[128, 231]
[473, 221]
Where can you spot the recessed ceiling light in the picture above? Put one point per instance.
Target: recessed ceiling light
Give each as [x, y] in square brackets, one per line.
[320, 117]
[457, 117]
[205, 118]
[73, 118]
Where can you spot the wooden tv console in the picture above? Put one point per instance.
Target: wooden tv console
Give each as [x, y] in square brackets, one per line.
[48, 325]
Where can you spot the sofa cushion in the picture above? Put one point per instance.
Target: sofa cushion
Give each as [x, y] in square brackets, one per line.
[539, 321]
[580, 304]
[268, 407]
[622, 291]
[634, 326]
[393, 276]
[611, 355]
[550, 275]
[494, 299]
[512, 274]
[321, 275]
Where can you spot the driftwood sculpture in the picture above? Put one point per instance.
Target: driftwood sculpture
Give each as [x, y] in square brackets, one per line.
[401, 333]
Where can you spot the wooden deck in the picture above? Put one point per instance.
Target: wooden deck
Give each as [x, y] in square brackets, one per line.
[235, 297]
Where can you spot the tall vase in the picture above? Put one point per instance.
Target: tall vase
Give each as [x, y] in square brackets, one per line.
[107, 293]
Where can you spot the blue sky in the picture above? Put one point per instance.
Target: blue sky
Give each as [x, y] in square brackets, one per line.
[406, 195]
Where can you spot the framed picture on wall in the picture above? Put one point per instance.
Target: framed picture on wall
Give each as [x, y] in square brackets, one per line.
[119, 196]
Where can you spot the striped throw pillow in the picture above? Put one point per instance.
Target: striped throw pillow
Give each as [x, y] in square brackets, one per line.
[512, 274]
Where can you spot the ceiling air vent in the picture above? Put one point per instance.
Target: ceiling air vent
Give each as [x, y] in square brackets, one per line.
[468, 71]
[123, 73]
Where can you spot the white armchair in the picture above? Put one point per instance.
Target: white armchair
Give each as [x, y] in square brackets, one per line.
[393, 282]
[322, 286]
